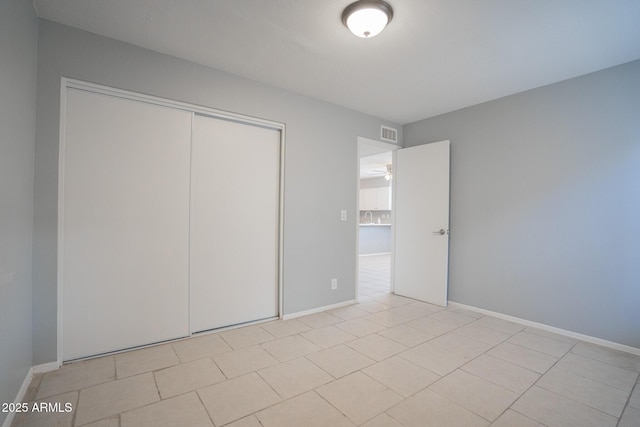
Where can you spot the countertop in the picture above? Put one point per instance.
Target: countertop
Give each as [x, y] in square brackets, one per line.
[375, 225]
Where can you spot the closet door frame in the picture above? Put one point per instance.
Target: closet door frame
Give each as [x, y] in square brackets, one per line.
[68, 83]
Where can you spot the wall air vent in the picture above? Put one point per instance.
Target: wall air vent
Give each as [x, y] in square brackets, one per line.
[388, 134]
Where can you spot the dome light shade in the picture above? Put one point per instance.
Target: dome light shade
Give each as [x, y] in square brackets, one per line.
[367, 18]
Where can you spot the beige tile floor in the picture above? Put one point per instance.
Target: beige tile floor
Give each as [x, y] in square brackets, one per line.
[388, 361]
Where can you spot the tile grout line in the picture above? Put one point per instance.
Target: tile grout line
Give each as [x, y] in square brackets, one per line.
[626, 405]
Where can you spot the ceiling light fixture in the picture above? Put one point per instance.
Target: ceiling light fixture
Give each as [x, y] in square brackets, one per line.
[388, 175]
[367, 18]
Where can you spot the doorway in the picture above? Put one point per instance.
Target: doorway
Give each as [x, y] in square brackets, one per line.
[375, 175]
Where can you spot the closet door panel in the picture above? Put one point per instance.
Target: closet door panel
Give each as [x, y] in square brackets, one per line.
[126, 167]
[234, 223]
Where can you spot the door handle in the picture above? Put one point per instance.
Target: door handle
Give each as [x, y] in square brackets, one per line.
[440, 232]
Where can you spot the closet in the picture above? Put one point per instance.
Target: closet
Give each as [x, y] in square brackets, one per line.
[169, 220]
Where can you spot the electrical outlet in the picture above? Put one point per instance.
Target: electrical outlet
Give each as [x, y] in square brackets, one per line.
[334, 284]
[343, 215]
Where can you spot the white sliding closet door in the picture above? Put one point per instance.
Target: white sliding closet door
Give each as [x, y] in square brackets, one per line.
[125, 224]
[235, 174]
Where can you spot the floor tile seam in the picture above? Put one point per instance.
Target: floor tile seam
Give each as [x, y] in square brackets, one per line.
[313, 327]
[322, 369]
[128, 410]
[403, 398]
[216, 334]
[75, 412]
[550, 335]
[390, 416]
[467, 358]
[206, 410]
[593, 379]
[184, 393]
[119, 414]
[509, 362]
[487, 316]
[402, 395]
[317, 393]
[456, 403]
[65, 392]
[381, 336]
[494, 382]
[335, 345]
[155, 383]
[524, 415]
[279, 337]
[376, 311]
[282, 398]
[254, 413]
[146, 372]
[538, 352]
[542, 374]
[298, 334]
[424, 367]
[175, 353]
[626, 405]
[482, 326]
[396, 314]
[601, 361]
[164, 368]
[360, 353]
[115, 378]
[245, 346]
[631, 371]
[73, 423]
[457, 333]
[370, 357]
[438, 334]
[225, 378]
[577, 401]
[420, 330]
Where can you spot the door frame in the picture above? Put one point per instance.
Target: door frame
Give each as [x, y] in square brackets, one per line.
[68, 83]
[383, 146]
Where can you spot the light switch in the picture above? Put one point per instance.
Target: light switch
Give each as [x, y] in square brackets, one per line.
[343, 215]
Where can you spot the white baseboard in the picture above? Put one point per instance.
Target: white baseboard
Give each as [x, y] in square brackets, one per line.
[45, 367]
[570, 334]
[319, 309]
[21, 393]
[38, 369]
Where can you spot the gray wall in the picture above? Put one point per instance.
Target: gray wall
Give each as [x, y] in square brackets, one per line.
[18, 49]
[545, 203]
[320, 137]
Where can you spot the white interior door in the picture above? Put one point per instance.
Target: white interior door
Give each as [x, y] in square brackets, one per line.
[124, 224]
[421, 227]
[235, 176]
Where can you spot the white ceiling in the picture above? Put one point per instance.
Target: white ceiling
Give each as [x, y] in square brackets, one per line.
[435, 56]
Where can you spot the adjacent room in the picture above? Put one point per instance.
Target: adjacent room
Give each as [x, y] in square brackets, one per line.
[243, 213]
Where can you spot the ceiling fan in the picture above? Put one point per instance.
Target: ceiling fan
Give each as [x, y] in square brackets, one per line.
[387, 173]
